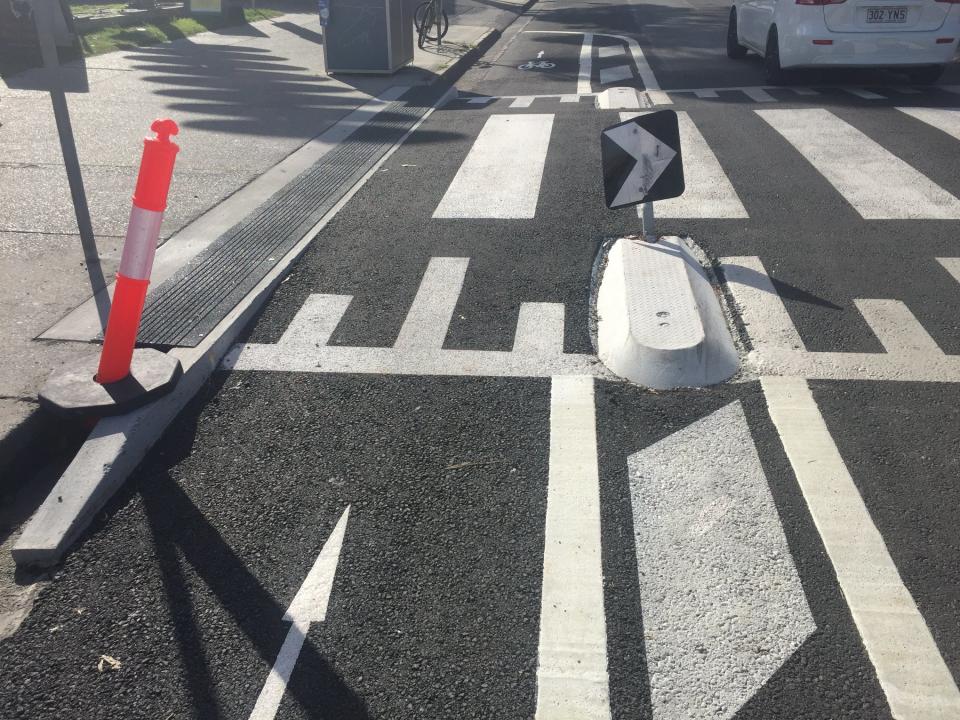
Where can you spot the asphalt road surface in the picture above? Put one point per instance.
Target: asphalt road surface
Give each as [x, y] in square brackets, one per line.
[413, 491]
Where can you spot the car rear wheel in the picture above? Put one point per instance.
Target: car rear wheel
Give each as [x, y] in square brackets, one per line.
[925, 75]
[735, 50]
[771, 58]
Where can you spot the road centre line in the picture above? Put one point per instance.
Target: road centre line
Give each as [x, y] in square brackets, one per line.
[947, 120]
[501, 174]
[709, 192]
[656, 94]
[585, 71]
[878, 184]
[572, 679]
[913, 675]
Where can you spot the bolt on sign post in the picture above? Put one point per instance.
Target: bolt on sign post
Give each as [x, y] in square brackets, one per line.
[127, 377]
[642, 163]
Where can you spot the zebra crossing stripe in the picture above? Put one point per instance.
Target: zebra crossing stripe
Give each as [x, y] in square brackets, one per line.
[523, 101]
[879, 185]
[429, 317]
[608, 51]
[897, 329]
[946, 120]
[709, 193]
[615, 74]
[758, 94]
[865, 94]
[501, 175]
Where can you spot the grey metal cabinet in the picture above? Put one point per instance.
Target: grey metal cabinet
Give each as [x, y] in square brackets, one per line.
[368, 36]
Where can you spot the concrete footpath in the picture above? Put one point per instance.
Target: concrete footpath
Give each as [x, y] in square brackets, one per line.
[245, 98]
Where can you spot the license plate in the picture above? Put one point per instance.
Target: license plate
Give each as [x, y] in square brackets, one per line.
[886, 15]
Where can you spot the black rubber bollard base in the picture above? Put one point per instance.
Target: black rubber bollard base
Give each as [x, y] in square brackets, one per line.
[74, 392]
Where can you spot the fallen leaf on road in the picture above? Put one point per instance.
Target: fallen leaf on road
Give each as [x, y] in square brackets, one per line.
[108, 662]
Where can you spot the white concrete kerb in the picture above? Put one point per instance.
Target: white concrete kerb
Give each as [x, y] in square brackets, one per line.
[659, 322]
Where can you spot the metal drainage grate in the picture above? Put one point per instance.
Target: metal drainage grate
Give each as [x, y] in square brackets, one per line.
[190, 304]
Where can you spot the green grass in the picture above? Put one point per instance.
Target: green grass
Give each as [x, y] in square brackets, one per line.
[84, 9]
[128, 38]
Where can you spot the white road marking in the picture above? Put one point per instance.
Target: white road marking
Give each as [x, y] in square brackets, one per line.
[586, 65]
[717, 580]
[865, 94]
[913, 675]
[615, 74]
[706, 94]
[572, 680]
[608, 51]
[708, 192]
[501, 175]
[540, 329]
[758, 95]
[650, 84]
[897, 329]
[952, 266]
[761, 309]
[537, 348]
[308, 606]
[946, 120]
[569, 98]
[778, 349]
[879, 185]
[804, 91]
[429, 317]
[524, 101]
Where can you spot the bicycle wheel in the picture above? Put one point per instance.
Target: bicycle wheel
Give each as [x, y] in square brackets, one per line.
[442, 22]
[419, 13]
[427, 18]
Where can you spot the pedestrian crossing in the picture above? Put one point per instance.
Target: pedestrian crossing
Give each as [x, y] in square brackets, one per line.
[502, 174]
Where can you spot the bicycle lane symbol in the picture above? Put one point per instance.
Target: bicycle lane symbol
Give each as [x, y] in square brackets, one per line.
[538, 64]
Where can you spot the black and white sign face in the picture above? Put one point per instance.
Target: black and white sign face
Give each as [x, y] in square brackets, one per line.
[641, 160]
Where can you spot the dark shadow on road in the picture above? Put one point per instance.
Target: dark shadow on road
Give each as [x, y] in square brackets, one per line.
[785, 290]
[300, 31]
[182, 533]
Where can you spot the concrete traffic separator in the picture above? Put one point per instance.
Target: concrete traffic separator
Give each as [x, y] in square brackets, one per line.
[659, 322]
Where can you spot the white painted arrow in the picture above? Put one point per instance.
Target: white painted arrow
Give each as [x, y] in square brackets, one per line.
[723, 607]
[308, 606]
[652, 157]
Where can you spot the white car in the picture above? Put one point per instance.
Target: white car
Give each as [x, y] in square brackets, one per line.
[918, 37]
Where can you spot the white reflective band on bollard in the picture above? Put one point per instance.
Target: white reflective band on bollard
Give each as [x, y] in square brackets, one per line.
[143, 230]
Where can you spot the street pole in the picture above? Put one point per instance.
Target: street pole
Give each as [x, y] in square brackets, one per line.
[43, 17]
[647, 219]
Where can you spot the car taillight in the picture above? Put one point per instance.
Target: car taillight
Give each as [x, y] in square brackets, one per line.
[837, 2]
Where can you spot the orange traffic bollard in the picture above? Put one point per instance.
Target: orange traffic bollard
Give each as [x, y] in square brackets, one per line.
[133, 276]
[125, 377]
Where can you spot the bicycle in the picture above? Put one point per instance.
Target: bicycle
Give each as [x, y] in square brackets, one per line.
[428, 16]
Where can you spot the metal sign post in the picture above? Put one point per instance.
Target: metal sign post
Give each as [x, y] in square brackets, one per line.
[642, 163]
[44, 19]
